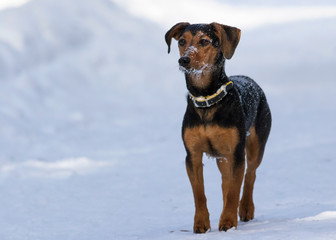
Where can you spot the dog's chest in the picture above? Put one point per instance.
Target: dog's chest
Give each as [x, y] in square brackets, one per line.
[213, 140]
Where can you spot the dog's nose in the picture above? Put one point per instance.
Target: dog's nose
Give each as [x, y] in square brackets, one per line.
[184, 61]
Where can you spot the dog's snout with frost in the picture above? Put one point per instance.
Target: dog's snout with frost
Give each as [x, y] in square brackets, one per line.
[184, 61]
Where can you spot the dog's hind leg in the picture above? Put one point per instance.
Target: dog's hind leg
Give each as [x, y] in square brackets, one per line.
[255, 146]
[254, 157]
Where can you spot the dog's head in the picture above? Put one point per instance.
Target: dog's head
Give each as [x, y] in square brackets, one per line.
[200, 45]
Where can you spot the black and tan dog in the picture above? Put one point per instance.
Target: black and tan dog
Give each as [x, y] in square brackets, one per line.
[226, 118]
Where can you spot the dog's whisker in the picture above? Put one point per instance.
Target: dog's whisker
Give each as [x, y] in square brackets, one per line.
[204, 69]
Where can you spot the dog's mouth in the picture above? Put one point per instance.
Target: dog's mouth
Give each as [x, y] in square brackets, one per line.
[191, 70]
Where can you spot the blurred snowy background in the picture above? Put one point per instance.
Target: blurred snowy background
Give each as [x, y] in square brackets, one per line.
[91, 107]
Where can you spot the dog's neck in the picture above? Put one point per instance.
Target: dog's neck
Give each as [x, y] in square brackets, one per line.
[208, 81]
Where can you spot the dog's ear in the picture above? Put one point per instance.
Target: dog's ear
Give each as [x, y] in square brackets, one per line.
[175, 32]
[228, 38]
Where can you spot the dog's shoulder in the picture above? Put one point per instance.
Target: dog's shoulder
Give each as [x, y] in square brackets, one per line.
[245, 85]
[250, 95]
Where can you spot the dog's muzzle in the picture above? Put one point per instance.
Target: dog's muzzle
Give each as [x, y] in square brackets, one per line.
[184, 61]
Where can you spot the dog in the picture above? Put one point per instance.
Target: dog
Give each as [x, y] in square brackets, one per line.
[227, 118]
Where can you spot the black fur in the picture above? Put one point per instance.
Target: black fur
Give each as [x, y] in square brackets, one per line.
[244, 106]
[205, 28]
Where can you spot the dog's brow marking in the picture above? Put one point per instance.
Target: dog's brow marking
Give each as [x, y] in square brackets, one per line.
[200, 34]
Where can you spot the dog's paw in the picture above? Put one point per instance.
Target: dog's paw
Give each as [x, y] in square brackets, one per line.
[202, 228]
[201, 223]
[246, 211]
[227, 223]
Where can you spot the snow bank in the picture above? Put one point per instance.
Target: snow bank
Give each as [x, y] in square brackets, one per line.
[66, 66]
[328, 215]
[57, 169]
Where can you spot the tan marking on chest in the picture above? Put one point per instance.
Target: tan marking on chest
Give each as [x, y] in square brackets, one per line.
[213, 140]
[206, 114]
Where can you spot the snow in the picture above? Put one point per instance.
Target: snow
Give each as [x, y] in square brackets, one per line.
[320, 217]
[190, 50]
[91, 108]
[197, 73]
[11, 3]
[59, 169]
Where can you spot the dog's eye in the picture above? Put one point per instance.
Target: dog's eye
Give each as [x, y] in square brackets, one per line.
[204, 42]
[182, 42]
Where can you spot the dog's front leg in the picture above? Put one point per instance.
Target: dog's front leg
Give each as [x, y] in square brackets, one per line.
[195, 173]
[232, 177]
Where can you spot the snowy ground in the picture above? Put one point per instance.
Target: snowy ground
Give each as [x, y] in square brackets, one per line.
[90, 113]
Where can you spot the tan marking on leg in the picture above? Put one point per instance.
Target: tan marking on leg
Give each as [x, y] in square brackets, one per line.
[195, 143]
[195, 140]
[232, 177]
[195, 174]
